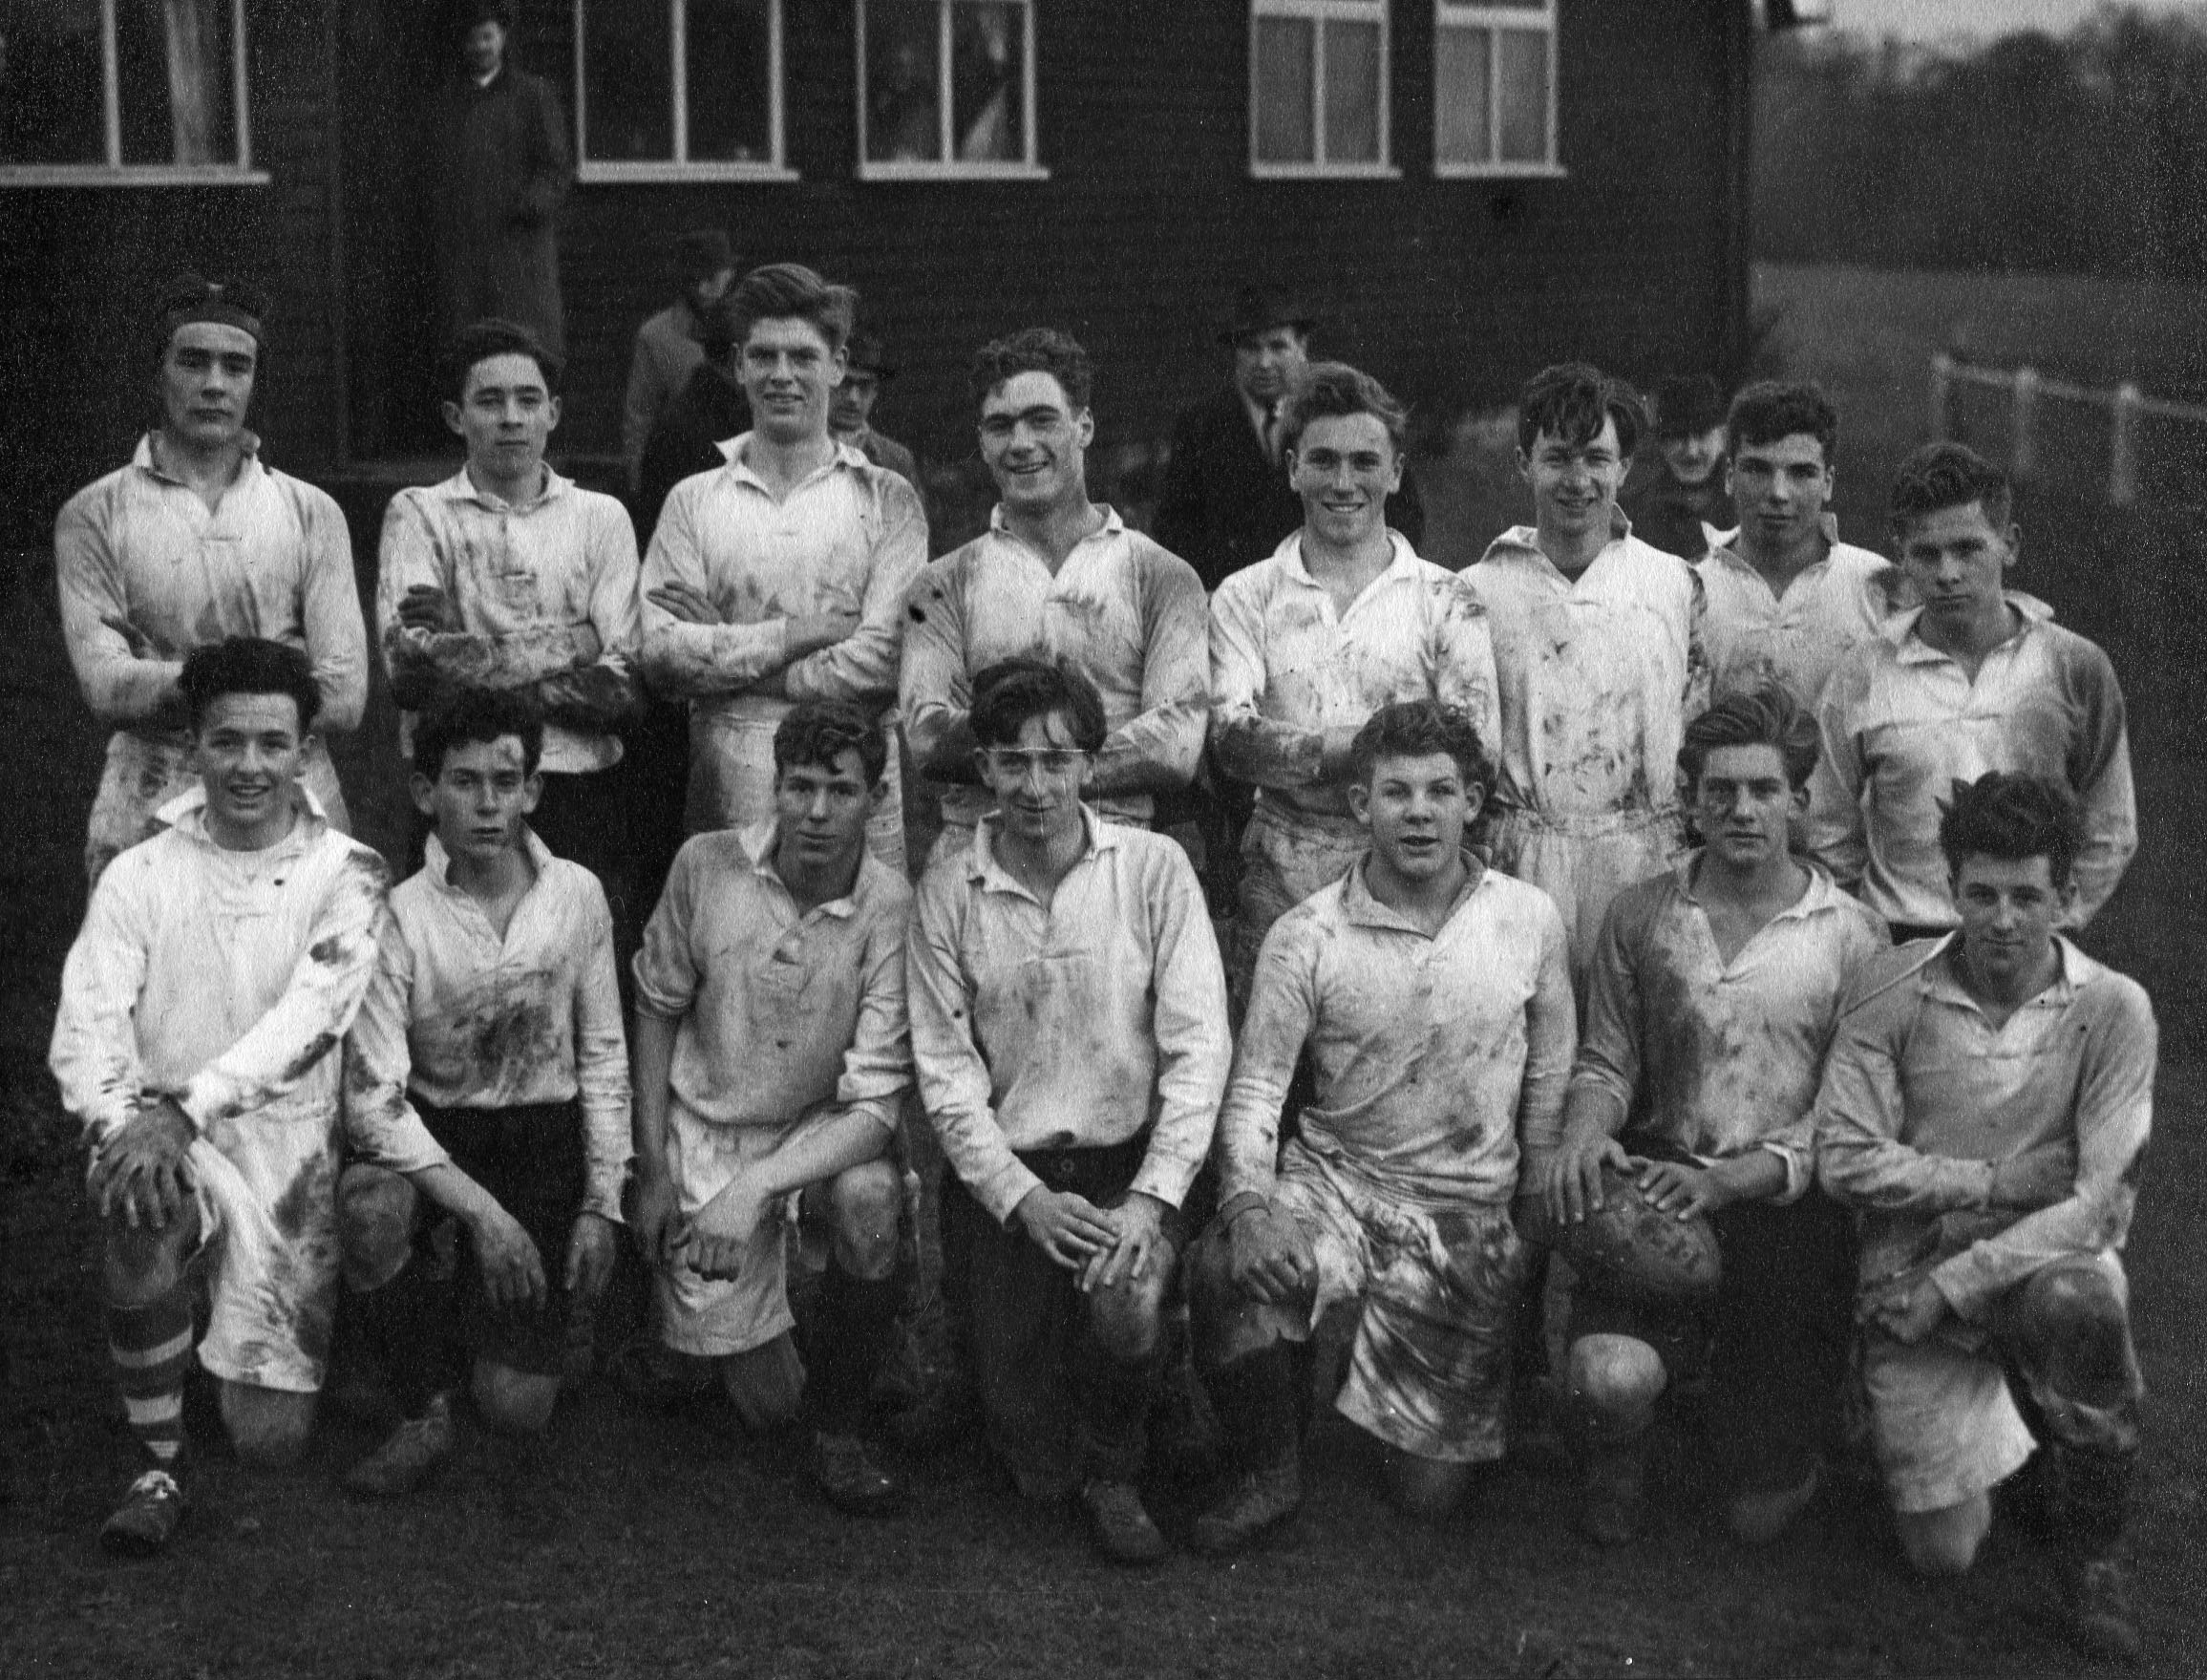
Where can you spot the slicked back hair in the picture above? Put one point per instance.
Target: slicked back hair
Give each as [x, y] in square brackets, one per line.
[1941, 476]
[1335, 388]
[819, 732]
[1772, 409]
[791, 291]
[1007, 693]
[1571, 399]
[1033, 350]
[1411, 729]
[2014, 819]
[249, 665]
[1767, 716]
[478, 341]
[481, 717]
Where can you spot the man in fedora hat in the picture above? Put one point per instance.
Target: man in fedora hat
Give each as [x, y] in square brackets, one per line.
[1684, 488]
[670, 347]
[851, 417]
[1226, 501]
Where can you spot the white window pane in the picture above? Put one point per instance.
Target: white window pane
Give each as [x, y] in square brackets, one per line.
[988, 63]
[1524, 96]
[173, 60]
[1287, 129]
[52, 98]
[1352, 63]
[904, 83]
[627, 81]
[1462, 72]
[728, 65]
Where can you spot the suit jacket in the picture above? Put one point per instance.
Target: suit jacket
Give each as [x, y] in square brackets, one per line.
[1224, 506]
[705, 412]
[498, 171]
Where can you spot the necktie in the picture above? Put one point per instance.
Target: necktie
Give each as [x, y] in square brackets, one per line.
[1272, 435]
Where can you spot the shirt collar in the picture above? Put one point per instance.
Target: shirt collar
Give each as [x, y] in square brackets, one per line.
[436, 861]
[1724, 545]
[761, 841]
[1112, 525]
[187, 813]
[846, 454]
[1402, 560]
[1914, 649]
[981, 866]
[459, 487]
[249, 443]
[1522, 542]
[2073, 969]
[1822, 892]
[1363, 911]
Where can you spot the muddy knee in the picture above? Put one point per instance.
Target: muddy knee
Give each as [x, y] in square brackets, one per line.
[867, 1201]
[1229, 1323]
[1944, 1541]
[375, 1209]
[138, 1267]
[1615, 1382]
[1128, 1318]
[514, 1402]
[268, 1427]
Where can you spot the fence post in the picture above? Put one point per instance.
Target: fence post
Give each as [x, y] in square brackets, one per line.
[2024, 460]
[1942, 384]
[2122, 446]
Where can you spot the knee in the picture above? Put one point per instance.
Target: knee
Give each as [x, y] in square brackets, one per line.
[1128, 1319]
[268, 1427]
[2071, 1305]
[140, 1267]
[1228, 1324]
[867, 1201]
[1616, 1380]
[1945, 1542]
[375, 1211]
[514, 1402]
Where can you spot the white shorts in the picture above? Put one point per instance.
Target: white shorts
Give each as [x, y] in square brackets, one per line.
[1945, 1427]
[1584, 863]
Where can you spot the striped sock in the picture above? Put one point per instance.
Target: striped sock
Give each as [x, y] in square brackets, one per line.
[152, 1346]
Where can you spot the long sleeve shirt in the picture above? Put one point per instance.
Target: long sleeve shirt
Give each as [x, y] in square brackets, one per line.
[779, 1010]
[1434, 1055]
[546, 591]
[1829, 610]
[1720, 1057]
[1903, 722]
[1597, 674]
[1073, 1025]
[1122, 611]
[1923, 1096]
[147, 572]
[850, 538]
[1286, 667]
[225, 979]
[666, 352]
[465, 1017]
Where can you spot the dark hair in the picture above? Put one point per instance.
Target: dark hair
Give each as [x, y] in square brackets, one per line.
[1411, 729]
[480, 715]
[2014, 819]
[1335, 388]
[1941, 476]
[791, 291]
[1034, 349]
[1772, 409]
[819, 732]
[478, 341]
[1571, 400]
[1007, 693]
[1687, 405]
[1768, 716]
[249, 665]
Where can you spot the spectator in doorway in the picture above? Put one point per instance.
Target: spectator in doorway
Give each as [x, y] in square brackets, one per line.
[852, 417]
[669, 346]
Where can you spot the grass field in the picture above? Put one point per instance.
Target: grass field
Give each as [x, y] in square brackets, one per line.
[649, 1547]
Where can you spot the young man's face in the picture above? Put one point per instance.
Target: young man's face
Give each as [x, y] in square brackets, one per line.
[789, 372]
[1691, 456]
[1744, 805]
[1265, 363]
[1344, 467]
[1037, 781]
[2009, 911]
[1780, 490]
[1415, 810]
[506, 414]
[249, 747]
[824, 810]
[206, 382]
[854, 399]
[1957, 561]
[1036, 442]
[484, 48]
[482, 793]
[1574, 484]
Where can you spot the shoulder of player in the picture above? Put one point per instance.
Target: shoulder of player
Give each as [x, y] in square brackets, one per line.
[888, 896]
[1157, 566]
[96, 501]
[1890, 981]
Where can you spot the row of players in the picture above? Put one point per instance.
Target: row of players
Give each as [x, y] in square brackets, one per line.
[1573, 647]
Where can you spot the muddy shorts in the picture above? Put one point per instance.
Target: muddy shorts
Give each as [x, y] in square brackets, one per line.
[143, 775]
[1429, 1368]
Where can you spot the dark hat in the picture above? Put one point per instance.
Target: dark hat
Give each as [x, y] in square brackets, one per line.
[704, 252]
[1687, 403]
[467, 13]
[868, 356]
[235, 303]
[1259, 308]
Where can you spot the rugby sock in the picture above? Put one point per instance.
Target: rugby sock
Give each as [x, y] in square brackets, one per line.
[1255, 1400]
[151, 1348]
[856, 1320]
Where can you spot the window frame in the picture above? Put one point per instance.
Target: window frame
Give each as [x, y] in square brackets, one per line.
[1319, 168]
[681, 167]
[1478, 14]
[950, 168]
[114, 171]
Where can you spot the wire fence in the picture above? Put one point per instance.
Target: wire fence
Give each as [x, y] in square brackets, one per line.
[2120, 445]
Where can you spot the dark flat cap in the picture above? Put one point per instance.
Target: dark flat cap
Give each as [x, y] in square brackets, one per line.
[704, 252]
[1259, 308]
[869, 356]
[1687, 403]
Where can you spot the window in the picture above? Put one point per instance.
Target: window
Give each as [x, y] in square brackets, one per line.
[128, 92]
[1494, 88]
[1318, 88]
[946, 89]
[668, 90]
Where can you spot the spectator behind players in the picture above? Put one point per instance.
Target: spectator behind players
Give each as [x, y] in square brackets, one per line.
[669, 348]
[1685, 492]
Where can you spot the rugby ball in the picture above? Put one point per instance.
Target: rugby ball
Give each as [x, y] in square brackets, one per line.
[1633, 1250]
